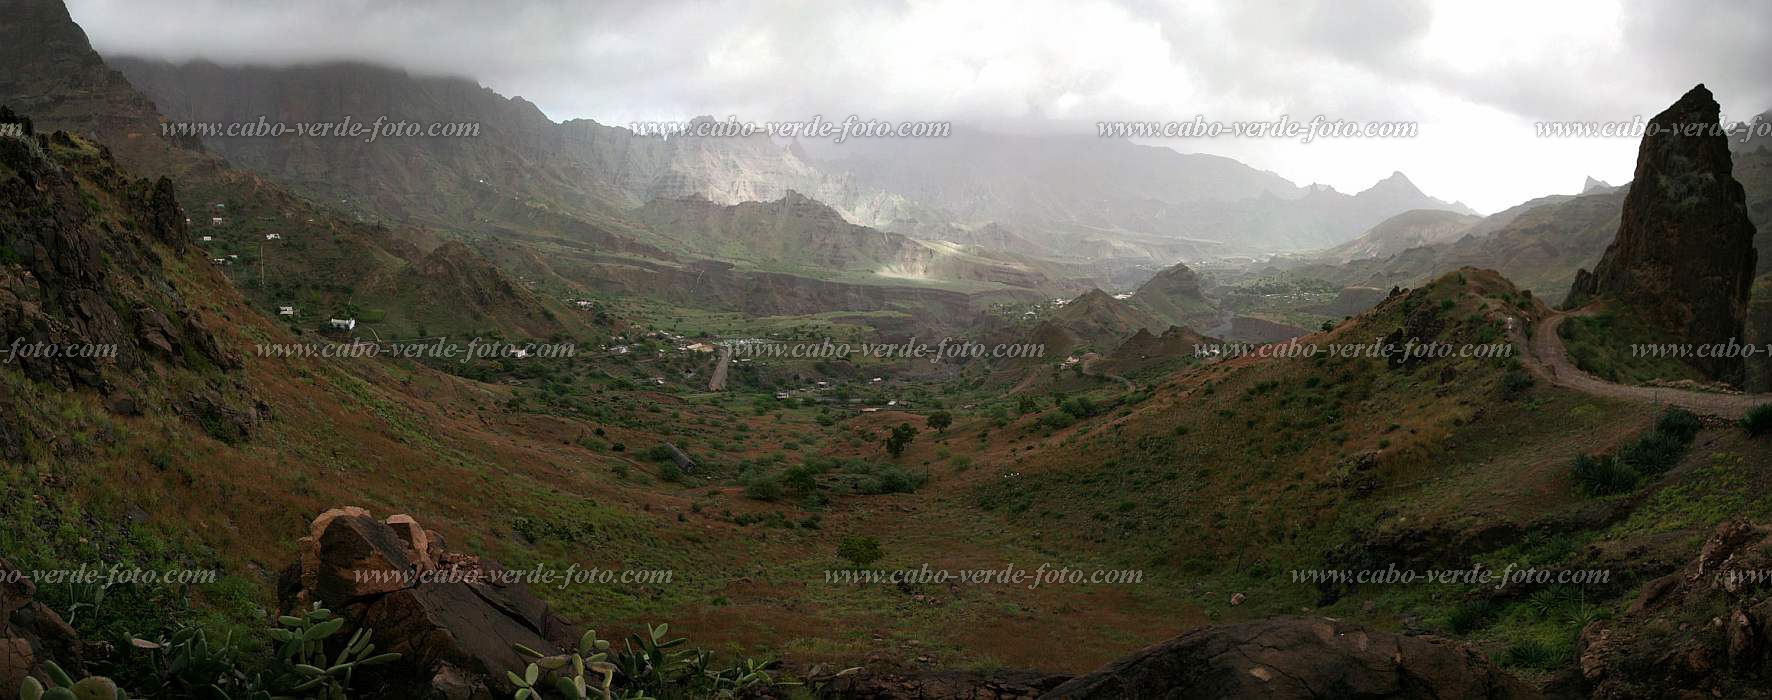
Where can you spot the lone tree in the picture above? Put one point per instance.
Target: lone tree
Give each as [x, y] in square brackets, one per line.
[940, 420]
[860, 550]
[900, 439]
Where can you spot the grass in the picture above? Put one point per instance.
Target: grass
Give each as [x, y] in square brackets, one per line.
[1601, 345]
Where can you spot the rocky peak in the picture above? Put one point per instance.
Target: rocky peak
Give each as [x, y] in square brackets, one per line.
[1683, 257]
[1397, 183]
[1593, 186]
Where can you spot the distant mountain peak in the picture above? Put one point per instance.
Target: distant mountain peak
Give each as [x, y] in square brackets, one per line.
[1397, 183]
[1593, 186]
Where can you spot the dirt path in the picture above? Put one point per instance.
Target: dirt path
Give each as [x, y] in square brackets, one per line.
[1546, 358]
[1088, 370]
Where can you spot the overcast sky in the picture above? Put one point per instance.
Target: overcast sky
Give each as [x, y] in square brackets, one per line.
[1474, 75]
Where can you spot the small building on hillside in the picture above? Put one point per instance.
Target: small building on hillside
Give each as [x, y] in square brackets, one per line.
[285, 311]
[343, 324]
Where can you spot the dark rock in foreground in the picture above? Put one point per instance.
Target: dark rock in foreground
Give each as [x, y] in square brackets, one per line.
[454, 619]
[1291, 657]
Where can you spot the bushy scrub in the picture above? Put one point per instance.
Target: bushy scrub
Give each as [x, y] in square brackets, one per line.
[1758, 421]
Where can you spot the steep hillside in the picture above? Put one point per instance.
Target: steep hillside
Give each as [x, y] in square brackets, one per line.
[582, 168]
[321, 263]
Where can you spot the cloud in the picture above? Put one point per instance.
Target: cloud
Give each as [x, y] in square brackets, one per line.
[1475, 75]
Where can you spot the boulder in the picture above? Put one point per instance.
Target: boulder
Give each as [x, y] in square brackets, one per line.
[454, 618]
[1293, 657]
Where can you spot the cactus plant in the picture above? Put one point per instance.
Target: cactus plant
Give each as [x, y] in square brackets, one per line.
[64, 687]
[591, 657]
[304, 648]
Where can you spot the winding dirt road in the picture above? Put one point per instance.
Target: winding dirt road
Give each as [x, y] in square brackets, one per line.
[1547, 359]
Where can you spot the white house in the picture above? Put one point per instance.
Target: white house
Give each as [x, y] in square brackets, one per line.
[285, 311]
[346, 324]
[215, 221]
[207, 239]
[273, 236]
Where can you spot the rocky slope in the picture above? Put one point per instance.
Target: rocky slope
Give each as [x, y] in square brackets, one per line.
[1684, 254]
[81, 248]
[320, 259]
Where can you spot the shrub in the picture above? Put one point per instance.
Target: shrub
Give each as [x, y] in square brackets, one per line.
[1534, 654]
[1057, 420]
[1679, 424]
[1079, 407]
[763, 488]
[1515, 382]
[860, 550]
[890, 479]
[1603, 475]
[1470, 615]
[1758, 420]
[1652, 453]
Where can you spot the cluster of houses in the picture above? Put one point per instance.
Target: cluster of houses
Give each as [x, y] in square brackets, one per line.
[217, 220]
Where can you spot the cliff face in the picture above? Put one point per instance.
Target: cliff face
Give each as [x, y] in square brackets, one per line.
[1684, 255]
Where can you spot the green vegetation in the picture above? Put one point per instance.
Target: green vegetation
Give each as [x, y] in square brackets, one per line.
[860, 550]
[1758, 421]
[1647, 456]
[1601, 345]
[900, 439]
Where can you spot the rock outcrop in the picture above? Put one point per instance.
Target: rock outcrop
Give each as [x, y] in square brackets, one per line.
[1291, 657]
[30, 633]
[1706, 628]
[455, 619]
[1683, 258]
[1174, 296]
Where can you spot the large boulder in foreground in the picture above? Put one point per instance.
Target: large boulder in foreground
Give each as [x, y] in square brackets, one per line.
[1291, 657]
[1683, 259]
[455, 619]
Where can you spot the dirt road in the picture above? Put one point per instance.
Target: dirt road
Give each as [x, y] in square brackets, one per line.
[1546, 358]
[718, 381]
